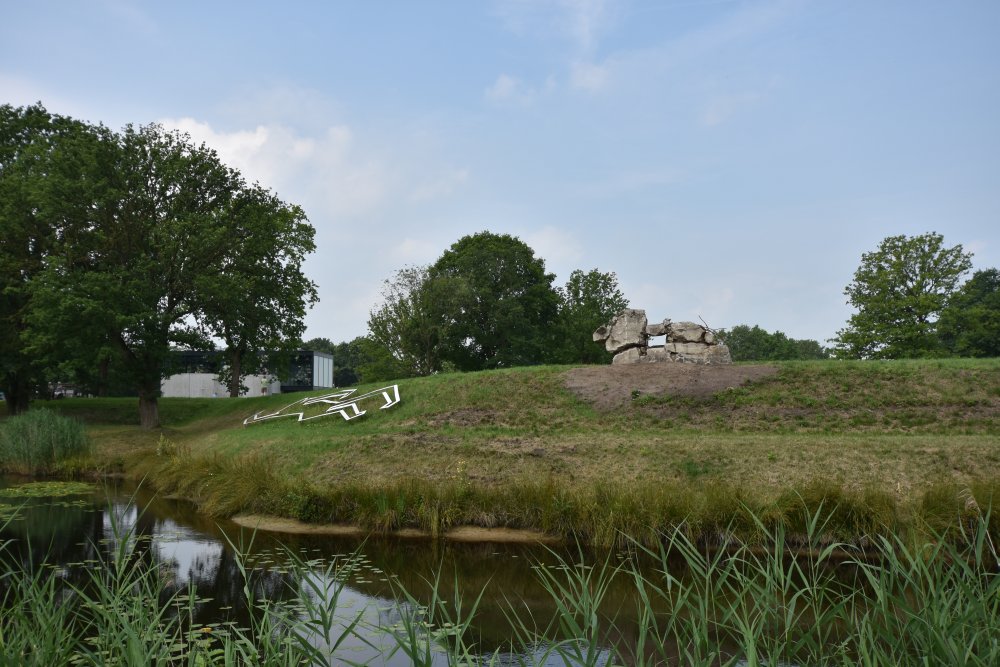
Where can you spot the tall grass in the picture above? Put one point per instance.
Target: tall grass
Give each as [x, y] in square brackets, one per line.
[937, 603]
[40, 441]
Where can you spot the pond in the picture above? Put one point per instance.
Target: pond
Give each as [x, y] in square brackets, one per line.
[70, 527]
[533, 605]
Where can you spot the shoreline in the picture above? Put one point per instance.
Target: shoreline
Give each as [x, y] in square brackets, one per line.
[276, 524]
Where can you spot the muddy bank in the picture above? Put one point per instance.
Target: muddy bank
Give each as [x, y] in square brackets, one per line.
[456, 534]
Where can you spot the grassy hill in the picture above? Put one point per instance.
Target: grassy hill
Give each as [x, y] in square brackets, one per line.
[880, 446]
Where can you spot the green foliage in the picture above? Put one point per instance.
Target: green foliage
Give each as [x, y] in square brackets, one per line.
[257, 303]
[588, 301]
[39, 440]
[755, 344]
[900, 290]
[30, 142]
[502, 306]
[411, 321]
[970, 324]
[127, 244]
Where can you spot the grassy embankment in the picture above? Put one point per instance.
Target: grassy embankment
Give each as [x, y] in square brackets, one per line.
[885, 446]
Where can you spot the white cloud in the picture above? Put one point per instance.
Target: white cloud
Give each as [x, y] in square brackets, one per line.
[589, 77]
[584, 20]
[559, 248]
[579, 21]
[324, 173]
[415, 251]
[508, 89]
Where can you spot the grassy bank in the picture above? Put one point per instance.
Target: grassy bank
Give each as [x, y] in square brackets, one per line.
[896, 446]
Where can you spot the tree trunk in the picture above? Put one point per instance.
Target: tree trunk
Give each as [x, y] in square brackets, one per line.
[102, 377]
[149, 410]
[235, 374]
[17, 393]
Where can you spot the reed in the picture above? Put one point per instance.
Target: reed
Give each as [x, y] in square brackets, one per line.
[41, 441]
[895, 604]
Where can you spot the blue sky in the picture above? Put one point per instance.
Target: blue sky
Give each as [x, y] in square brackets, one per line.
[728, 160]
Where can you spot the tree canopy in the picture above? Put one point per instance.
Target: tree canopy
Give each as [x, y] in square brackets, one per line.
[970, 324]
[588, 301]
[502, 305]
[899, 290]
[152, 243]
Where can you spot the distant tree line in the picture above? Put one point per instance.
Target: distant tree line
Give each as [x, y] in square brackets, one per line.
[748, 343]
[117, 247]
[487, 302]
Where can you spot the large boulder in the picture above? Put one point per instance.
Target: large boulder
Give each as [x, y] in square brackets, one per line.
[658, 328]
[629, 356]
[625, 331]
[627, 337]
[686, 332]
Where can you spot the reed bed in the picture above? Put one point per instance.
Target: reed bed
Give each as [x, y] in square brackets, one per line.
[936, 603]
[41, 441]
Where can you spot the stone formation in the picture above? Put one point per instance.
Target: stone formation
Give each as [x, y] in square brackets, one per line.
[627, 337]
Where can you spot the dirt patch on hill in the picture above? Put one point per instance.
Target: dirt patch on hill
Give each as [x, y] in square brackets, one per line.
[610, 387]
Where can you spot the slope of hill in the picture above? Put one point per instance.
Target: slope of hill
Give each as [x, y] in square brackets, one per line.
[597, 451]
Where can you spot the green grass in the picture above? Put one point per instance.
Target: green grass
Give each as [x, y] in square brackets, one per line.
[516, 448]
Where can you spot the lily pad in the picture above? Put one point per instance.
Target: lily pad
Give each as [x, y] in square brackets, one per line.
[47, 490]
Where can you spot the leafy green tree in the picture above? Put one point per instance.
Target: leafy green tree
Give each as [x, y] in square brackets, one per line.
[588, 301]
[899, 291]
[159, 219]
[411, 322]
[970, 324]
[748, 343]
[504, 307]
[320, 345]
[257, 303]
[29, 138]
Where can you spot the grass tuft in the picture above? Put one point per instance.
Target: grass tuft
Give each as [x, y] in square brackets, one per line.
[41, 441]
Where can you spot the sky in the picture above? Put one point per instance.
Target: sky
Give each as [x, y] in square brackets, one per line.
[727, 160]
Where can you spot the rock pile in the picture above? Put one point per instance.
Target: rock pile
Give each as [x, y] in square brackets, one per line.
[627, 337]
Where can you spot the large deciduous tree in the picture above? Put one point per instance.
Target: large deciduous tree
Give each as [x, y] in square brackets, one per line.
[257, 299]
[33, 153]
[503, 307]
[158, 224]
[411, 322]
[899, 291]
[588, 301]
[970, 325]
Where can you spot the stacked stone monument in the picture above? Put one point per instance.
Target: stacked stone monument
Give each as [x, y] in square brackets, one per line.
[627, 337]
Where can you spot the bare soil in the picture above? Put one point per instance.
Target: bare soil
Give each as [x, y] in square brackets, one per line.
[611, 387]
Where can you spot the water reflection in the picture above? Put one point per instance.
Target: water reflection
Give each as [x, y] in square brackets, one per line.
[74, 534]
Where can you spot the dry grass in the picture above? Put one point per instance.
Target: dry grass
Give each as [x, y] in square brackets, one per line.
[487, 445]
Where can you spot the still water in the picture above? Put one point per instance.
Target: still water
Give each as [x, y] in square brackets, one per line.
[71, 532]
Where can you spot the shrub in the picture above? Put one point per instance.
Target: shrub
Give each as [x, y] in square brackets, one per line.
[39, 440]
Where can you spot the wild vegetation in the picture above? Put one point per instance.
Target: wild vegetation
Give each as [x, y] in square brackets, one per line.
[891, 605]
[898, 447]
[42, 441]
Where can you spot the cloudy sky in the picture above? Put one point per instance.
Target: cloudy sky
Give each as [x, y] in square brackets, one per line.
[729, 160]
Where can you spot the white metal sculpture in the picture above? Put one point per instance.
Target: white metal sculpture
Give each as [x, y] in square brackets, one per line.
[342, 402]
